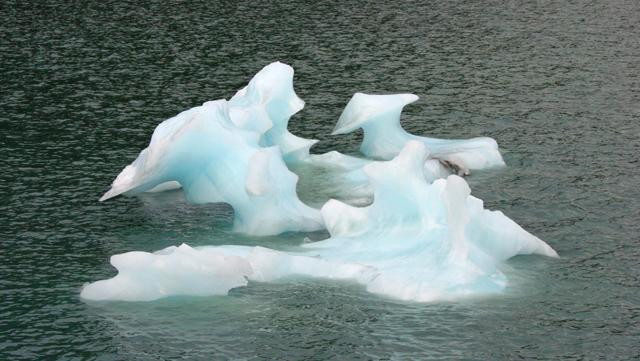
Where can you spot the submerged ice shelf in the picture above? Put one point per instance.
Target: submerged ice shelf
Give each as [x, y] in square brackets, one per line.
[424, 237]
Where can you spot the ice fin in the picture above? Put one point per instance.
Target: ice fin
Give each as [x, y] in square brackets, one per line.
[366, 108]
[384, 137]
[408, 165]
[342, 219]
[266, 105]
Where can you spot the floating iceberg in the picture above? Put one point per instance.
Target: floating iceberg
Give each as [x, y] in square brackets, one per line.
[424, 237]
[418, 241]
[214, 161]
[384, 137]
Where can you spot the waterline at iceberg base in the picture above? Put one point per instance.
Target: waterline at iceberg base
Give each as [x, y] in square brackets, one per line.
[423, 237]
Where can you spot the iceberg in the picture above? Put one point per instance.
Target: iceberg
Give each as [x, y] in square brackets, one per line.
[384, 137]
[417, 241]
[399, 222]
[203, 151]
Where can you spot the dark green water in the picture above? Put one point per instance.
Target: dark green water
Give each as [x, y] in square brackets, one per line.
[557, 84]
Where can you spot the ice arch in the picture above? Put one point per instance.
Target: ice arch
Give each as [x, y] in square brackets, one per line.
[384, 137]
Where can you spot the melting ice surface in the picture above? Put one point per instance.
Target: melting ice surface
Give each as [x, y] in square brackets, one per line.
[424, 237]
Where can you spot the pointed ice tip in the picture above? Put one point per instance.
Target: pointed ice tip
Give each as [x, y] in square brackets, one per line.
[296, 104]
[108, 195]
[112, 193]
[548, 250]
[364, 107]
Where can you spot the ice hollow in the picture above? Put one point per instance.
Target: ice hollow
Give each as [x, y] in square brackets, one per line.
[340, 176]
[266, 105]
[215, 161]
[384, 137]
[417, 241]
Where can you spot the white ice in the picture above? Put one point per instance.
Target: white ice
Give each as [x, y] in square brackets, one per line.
[417, 241]
[384, 137]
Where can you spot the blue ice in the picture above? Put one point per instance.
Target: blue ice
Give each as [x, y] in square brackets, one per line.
[420, 236]
[384, 137]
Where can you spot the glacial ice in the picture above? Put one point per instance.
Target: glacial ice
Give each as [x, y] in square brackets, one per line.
[384, 137]
[214, 161]
[260, 110]
[424, 238]
[418, 241]
[265, 106]
[232, 152]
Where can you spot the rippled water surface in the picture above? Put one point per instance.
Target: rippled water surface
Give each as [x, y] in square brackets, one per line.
[555, 83]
